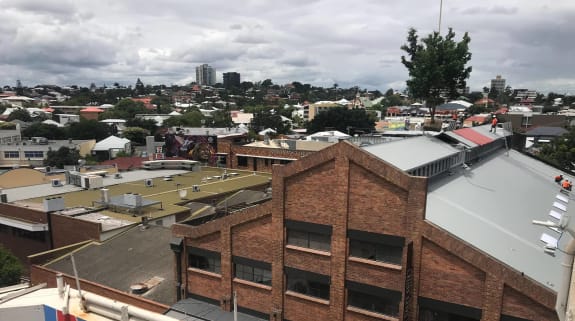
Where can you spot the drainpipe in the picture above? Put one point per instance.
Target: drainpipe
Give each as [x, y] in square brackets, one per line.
[564, 311]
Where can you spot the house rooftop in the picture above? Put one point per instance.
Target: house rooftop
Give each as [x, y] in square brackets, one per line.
[140, 260]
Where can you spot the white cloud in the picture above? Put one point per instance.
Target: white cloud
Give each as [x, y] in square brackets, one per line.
[320, 41]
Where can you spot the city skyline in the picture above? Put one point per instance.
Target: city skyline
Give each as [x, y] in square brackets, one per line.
[316, 42]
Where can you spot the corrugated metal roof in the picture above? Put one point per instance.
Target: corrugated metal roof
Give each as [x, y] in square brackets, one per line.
[460, 139]
[413, 152]
[472, 135]
[491, 206]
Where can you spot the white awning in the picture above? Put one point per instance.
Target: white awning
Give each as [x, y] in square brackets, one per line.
[23, 225]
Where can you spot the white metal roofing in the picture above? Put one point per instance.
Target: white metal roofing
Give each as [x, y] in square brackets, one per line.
[111, 142]
[491, 206]
[412, 152]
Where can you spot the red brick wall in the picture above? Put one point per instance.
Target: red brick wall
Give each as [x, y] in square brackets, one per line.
[307, 261]
[253, 297]
[69, 230]
[446, 277]
[298, 309]
[365, 273]
[210, 242]
[517, 304]
[23, 213]
[252, 239]
[205, 285]
[375, 205]
[303, 192]
[22, 247]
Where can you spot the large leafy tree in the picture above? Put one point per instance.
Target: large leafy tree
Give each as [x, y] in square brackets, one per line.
[62, 156]
[437, 66]
[10, 268]
[561, 151]
[20, 114]
[342, 119]
[44, 130]
[88, 129]
[269, 118]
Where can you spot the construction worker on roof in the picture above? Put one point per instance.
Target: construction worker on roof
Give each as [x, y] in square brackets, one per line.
[566, 185]
[558, 178]
[493, 124]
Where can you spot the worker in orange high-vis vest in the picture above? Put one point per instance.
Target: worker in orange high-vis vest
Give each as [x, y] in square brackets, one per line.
[566, 185]
[493, 124]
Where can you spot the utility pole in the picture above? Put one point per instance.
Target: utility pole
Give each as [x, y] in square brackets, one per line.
[235, 306]
[440, 11]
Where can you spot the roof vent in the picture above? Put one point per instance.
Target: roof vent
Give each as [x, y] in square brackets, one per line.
[138, 288]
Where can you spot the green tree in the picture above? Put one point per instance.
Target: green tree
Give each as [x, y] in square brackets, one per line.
[45, 130]
[344, 120]
[148, 124]
[124, 109]
[268, 118]
[63, 156]
[88, 129]
[20, 114]
[136, 134]
[561, 151]
[140, 88]
[437, 66]
[10, 268]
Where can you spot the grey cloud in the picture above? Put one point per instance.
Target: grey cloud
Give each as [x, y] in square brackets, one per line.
[497, 10]
[236, 26]
[298, 61]
[60, 9]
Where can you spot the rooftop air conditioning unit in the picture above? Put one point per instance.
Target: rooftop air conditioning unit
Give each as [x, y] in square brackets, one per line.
[149, 182]
[56, 182]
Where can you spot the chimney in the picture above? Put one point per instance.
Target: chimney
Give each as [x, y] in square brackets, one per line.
[60, 284]
[105, 195]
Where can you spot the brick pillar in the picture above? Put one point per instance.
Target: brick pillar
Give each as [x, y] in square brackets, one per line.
[278, 214]
[492, 298]
[227, 269]
[339, 241]
[414, 216]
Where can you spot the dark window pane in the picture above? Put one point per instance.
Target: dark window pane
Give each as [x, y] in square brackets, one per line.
[374, 303]
[207, 263]
[307, 283]
[375, 251]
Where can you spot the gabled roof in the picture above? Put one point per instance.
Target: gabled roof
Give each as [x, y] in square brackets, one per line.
[111, 142]
[473, 136]
[413, 152]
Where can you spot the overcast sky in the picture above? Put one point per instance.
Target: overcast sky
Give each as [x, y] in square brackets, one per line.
[321, 42]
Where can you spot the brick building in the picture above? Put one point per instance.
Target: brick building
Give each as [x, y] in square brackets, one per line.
[347, 237]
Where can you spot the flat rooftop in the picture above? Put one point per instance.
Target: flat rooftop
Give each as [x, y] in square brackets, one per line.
[167, 189]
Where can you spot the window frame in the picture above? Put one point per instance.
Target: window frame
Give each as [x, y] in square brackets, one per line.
[390, 299]
[212, 258]
[252, 270]
[308, 235]
[383, 244]
[316, 285]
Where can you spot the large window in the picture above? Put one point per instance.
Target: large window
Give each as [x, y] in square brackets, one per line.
[253, 271]
[242, 161]
[313, 236]
[12, 154]
[434, 310]
[374, 299]
[33, 154]
[204, 260]
[377, 247]
[308, 283]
